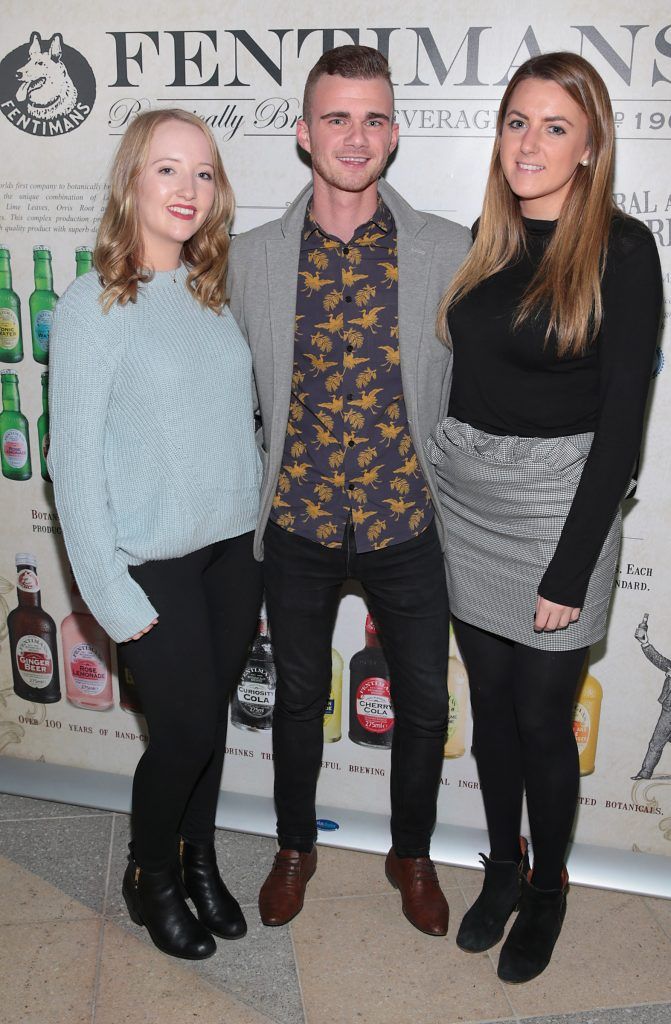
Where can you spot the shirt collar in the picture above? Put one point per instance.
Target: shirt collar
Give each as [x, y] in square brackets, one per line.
[382, 219]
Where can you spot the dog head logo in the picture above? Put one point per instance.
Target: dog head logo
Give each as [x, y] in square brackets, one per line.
[46, 87]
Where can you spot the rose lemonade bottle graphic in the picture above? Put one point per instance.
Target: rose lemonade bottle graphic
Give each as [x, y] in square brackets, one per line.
[42, 302]
[43, 428]
[254, 697]
[83, 259]
[586, 715]
[333, 712]
[14, 442]
[87, 658]
[457, 688]
[371, 712]
[32, 639]
[11, 341]
[129, 698]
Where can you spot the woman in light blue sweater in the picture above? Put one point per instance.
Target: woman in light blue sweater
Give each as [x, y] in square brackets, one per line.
[156, 478]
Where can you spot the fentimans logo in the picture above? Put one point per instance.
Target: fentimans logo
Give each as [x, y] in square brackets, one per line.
[49, 91]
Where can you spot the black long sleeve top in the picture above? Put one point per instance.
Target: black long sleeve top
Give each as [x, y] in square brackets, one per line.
[511, 382]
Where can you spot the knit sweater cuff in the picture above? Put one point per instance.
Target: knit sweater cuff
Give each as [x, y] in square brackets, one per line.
[123, 608]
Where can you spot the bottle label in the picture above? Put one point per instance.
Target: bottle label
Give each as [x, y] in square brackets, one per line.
[452, 717]
[15, 448]
[34, 661]
[582, 726]
[9, 328]
[45, 446]
[42, 328]
[374, 709]
[27, 581]
[89, 672]
[330, 707]
[256, 694]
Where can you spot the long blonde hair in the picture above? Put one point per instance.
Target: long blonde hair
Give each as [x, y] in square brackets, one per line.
[118, 251]
[567, 282]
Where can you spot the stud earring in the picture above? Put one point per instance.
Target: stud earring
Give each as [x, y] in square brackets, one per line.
[584, 163]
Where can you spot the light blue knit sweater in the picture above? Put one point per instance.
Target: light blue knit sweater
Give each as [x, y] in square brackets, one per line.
[152, 437]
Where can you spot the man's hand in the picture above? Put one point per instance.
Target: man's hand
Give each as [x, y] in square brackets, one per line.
[550, 616]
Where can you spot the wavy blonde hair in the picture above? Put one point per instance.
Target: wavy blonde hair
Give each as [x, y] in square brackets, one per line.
[567, 282]
[118, 251]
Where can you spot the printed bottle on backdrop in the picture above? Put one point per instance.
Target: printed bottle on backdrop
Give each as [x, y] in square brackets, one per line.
[254, 697]
[129, 698]
[83, 259]
[42, 302]
[457, 688]
[14, 442]
[32, 639]
[586, 715]
[11, 341]
[87, 658]
[43, 428]
[333, 713]
[371, 712]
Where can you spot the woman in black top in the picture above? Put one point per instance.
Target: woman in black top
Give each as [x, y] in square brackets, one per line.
[553, 319]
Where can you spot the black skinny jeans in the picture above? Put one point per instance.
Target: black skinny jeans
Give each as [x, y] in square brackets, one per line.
[406, 592]
[522, 700]
[185, 669]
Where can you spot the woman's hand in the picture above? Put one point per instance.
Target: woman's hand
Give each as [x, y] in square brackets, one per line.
[137, 636]
[550, 616]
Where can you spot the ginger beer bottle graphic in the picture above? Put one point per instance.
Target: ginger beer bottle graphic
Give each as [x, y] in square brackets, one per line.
[586, 715]
[11, 341]
[87, 658]
[14, 442]
[254, 697]
[457, 688]
[371, 712]
[42, 302]
[43, 428]
[83, 259]
[32, 639]
[333, 713]
[129, 698]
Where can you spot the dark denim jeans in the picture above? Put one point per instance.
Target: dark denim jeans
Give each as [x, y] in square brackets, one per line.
[407, 596]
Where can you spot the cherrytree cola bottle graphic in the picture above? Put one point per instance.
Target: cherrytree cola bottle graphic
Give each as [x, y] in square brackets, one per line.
[42, 302]
[43, 428]
[371, 712]
[254, 697]
[11, 341]
[83, 259]
[32, 639]
[87, 658]
[14, 442]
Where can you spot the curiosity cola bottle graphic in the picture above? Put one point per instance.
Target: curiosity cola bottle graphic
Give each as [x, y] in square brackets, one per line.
[42, 302]
[43, 428]
[11, 341]
[87, 658]
[83, 259]
[254, 698]
[32, 639]
[14, 442]
[371, 712]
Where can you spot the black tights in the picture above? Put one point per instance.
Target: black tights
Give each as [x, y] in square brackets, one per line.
[522, 700]
[185, 669]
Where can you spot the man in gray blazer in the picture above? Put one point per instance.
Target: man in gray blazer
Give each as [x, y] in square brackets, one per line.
[338, 301]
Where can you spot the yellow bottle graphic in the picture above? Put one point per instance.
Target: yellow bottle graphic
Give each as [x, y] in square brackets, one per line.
[333, 713]
[586, 714]
[457, 685]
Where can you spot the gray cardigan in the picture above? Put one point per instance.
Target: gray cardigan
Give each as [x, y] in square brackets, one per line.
[263, 273]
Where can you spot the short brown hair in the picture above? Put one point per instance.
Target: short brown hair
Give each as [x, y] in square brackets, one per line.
[349, 62]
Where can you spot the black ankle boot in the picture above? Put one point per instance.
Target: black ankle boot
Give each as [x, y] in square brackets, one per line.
[482, 925]
[528, 948]
[154, 900]
[216, 908]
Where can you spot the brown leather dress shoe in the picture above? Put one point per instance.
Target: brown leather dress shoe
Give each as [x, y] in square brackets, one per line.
[423, 901]
[283, 891]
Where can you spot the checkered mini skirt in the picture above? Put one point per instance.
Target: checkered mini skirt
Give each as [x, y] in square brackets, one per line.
[504, 503]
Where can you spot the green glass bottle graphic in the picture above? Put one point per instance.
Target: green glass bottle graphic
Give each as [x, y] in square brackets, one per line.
[84, 259]
[11, 342]
[14, 443]
[43, 428]
[42, 303]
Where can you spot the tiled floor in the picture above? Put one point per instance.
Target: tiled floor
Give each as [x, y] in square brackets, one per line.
[69, 954]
